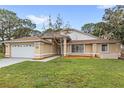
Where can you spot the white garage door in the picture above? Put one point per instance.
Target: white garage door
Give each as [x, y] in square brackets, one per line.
[22, 50]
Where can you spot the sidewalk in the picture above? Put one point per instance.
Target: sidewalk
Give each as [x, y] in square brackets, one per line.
[46, 59]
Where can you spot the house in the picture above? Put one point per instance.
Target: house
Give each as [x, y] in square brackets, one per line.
[68, 42]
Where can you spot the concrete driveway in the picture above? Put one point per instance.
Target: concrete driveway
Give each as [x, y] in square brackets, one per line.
[46, 59]
[10, 61]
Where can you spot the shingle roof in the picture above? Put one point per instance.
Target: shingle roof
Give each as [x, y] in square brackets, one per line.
[93, 41]
[58, 35]
[29, 39]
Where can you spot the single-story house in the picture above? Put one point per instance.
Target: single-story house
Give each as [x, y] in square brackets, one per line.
[68, 42]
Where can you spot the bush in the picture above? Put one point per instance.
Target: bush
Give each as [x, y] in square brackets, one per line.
[1, 49]
[1, 55]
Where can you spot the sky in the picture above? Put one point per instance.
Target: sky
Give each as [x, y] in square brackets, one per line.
[75, 15]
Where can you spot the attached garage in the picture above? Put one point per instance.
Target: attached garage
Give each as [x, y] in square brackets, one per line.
[29, 47]
[22, 50]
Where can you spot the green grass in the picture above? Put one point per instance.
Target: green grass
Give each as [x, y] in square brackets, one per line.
[60, 72]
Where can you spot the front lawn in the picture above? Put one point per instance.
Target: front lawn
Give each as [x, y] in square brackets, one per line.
[64, 73]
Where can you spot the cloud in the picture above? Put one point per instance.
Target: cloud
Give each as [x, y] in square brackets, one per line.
[38, 19]
[105, 6]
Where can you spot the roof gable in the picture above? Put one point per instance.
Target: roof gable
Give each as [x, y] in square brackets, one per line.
[78, 35]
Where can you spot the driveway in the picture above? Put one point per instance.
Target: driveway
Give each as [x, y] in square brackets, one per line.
[10, 61]
[46, 59]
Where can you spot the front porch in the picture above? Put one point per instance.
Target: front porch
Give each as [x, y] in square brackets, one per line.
[91, 50]
[79, 50]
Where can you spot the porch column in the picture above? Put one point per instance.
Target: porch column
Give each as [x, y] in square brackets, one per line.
[94, 48]
[61, 46]
[65, 46]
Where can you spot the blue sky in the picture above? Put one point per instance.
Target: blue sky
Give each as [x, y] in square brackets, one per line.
[76, 15]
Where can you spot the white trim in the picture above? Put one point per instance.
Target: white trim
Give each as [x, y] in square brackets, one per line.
[84, 46]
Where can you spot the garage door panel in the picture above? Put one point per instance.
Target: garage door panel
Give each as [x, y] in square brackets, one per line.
[25, 51]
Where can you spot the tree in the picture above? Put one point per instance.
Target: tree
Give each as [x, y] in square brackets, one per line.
[8, 20]
[115, 18]
[111, 26]
[36, 33]
[67, 25]
[88, 28]
[50, 24]
[26, 27]
[59, 23]
[22, 32]
[56, 25]
[11, 25]
[102, 30]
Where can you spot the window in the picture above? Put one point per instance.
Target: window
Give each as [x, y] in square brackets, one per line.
[78, 48]
[104, 47]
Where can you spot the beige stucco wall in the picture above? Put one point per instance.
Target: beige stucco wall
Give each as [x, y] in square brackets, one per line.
[47, 49]
[44, 50]
[112, 53]
[114, 48]
[98, 48]
[88, 48]
[7, 50]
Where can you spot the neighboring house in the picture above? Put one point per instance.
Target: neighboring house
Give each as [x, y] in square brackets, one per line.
[68, 42]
